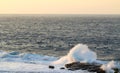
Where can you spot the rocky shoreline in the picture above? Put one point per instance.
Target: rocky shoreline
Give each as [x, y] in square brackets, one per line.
[87, 66]
[93, 67]
[84, 66]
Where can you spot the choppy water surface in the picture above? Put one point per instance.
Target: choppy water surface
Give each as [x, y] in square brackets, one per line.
[56, 34]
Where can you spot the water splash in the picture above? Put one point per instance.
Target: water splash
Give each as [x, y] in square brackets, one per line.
[108, 67]
[79, 53]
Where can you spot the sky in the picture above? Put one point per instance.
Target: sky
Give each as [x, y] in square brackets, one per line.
[59, 6]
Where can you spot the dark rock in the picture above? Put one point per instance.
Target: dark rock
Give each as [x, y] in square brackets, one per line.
[71, 69]
[84, 66]
[116, 70]
[62, 68]
[71, 64]
[51, 67]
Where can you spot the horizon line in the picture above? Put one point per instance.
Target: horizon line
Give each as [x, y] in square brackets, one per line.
[51, 14]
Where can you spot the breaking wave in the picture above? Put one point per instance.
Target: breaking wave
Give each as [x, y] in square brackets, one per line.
[79, 53]
[24, 57]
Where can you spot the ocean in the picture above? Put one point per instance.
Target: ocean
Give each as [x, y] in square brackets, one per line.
[54, 35]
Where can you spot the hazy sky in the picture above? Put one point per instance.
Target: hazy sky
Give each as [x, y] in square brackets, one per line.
[59, 6]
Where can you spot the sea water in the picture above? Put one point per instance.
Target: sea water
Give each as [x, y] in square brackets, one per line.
[14, 62]
[55, 35]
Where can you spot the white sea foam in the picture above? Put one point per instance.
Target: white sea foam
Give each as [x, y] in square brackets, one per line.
[17, 67]
[108, 67]
[79, 53]
[15, 61]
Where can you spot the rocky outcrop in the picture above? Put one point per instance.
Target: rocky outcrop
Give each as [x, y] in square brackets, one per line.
[62, 68]
[51, 67]
[90, 67]
[86, 66]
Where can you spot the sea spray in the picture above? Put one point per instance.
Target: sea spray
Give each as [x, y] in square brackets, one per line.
[79, 53]
[15, 61]
[108, 67]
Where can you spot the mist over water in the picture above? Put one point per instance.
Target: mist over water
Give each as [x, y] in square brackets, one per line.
[56, 34]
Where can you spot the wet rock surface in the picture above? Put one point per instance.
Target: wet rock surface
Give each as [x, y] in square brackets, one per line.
[51, 67]
[84, 66]
[62, 68]
[116, 70]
